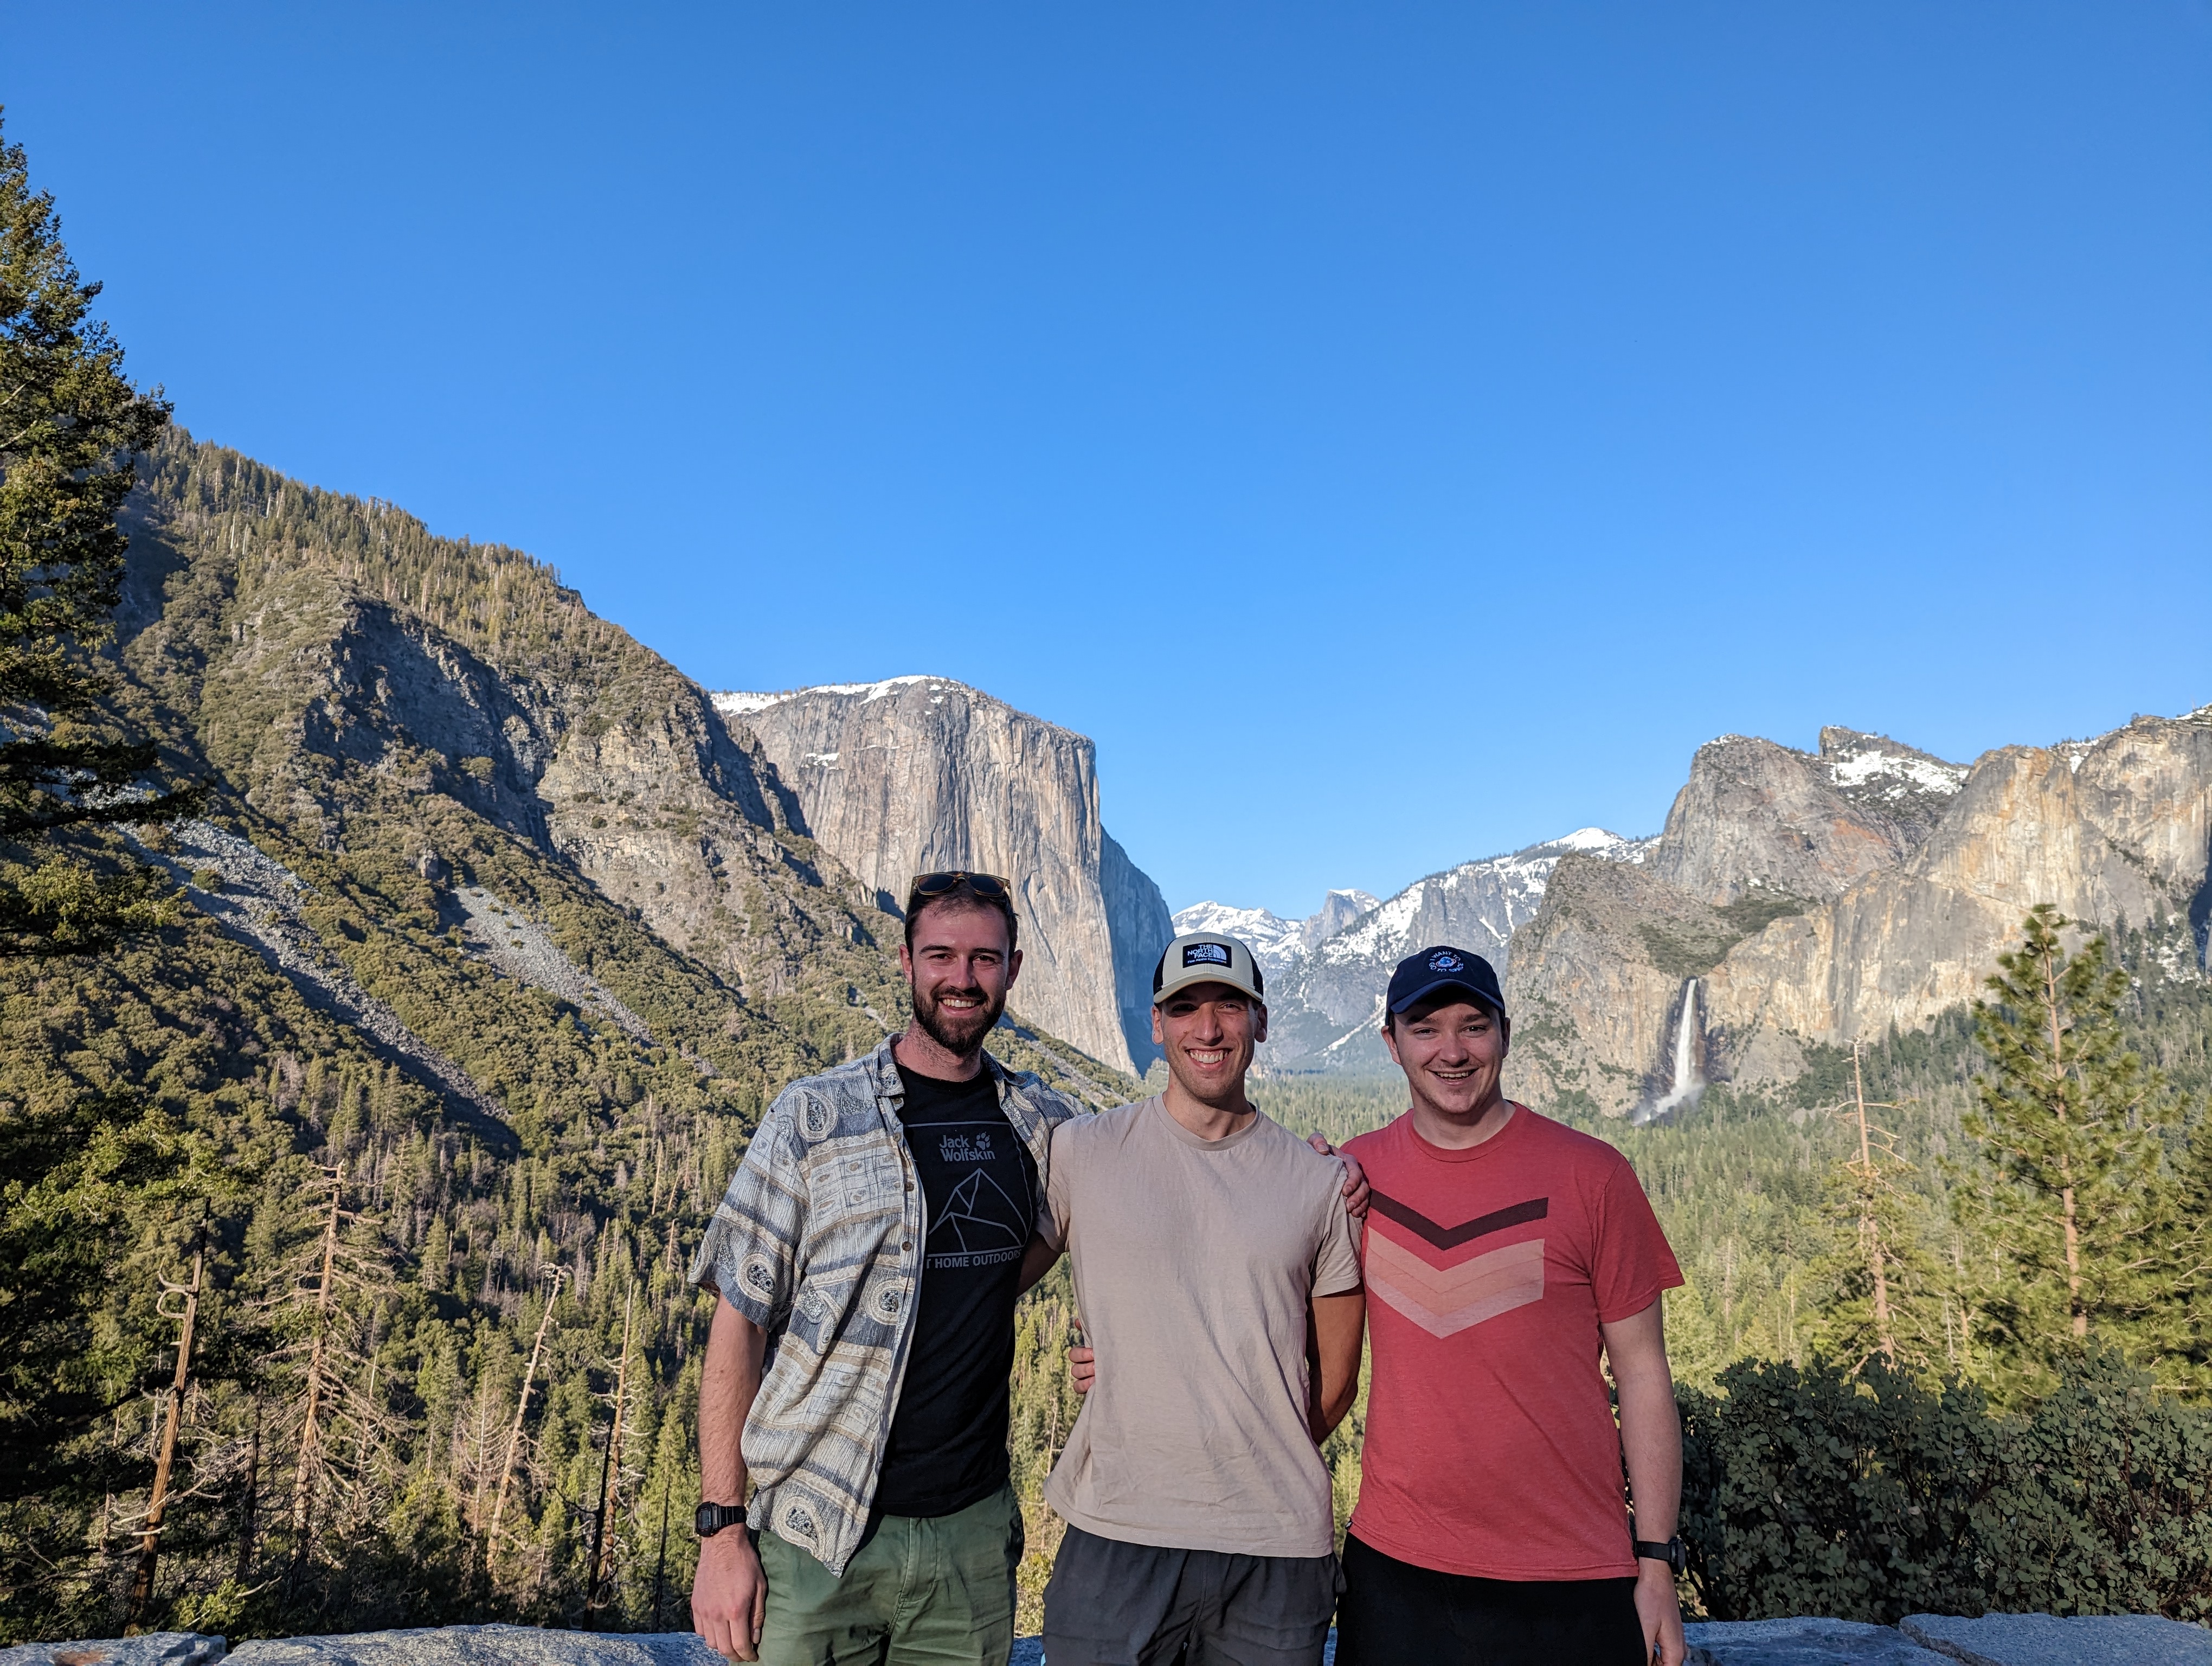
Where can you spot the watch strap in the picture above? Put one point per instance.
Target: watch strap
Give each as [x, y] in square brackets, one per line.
[712, 1518]
[1673, 1552]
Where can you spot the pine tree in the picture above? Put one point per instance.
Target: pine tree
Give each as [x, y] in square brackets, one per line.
[1883, 1298]
[2070, 1211]
[71, 428]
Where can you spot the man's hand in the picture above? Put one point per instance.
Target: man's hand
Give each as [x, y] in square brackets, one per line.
[1661, 1610]
[730, 1595]
[1355, 1178]
[1083, 1367]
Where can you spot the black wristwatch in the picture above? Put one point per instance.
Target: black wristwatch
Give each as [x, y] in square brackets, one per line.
[714, 1517]
[1674, 1552]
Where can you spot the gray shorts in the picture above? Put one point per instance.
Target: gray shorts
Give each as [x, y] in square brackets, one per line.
[1114, 1604]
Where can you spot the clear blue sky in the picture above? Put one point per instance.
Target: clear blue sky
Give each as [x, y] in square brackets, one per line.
[1396, 434]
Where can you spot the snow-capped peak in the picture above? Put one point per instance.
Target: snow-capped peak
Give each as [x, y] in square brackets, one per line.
[736, 703]
[1873, 767]
[1273, 939]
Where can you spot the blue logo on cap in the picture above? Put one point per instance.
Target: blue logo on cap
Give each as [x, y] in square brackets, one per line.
[1443, 960]
[1205, 954]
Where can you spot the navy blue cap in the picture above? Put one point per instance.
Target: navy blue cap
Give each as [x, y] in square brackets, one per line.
[1434, 970]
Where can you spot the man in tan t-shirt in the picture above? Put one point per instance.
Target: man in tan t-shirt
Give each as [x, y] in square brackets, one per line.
[1218, 1277]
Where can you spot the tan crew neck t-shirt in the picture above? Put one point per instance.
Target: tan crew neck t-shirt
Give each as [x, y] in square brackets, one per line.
[1195, 1262]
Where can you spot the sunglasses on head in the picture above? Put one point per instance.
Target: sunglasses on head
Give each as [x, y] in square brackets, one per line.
[989, 886]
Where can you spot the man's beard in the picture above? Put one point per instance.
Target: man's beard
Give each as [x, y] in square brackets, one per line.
[957, 1033]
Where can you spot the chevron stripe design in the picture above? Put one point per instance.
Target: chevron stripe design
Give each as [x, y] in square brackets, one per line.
[1443, 1301]
[1450, 1238]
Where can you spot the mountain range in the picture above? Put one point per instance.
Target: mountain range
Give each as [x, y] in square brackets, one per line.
[1792, 899]
[354, 684]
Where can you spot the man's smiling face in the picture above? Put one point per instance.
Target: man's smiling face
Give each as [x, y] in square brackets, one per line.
[1452, 1055]
[961, 969]
[1209, 1031]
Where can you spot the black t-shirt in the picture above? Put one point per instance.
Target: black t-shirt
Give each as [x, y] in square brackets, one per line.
[948, 1439]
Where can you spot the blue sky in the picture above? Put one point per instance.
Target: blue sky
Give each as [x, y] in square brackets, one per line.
[1396, 434]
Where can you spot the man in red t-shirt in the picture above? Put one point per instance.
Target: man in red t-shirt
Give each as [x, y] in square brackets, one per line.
[1506, 1257]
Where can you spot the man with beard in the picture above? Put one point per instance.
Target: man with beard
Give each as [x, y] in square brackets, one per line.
[868, 1258]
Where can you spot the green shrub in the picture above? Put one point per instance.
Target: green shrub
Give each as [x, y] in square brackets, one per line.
[1809, 1490]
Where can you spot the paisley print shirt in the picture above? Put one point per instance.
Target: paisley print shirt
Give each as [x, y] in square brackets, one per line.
[818, 1241]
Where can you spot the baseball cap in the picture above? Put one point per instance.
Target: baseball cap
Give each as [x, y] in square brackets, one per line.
[1206, 957]
[1432, 971]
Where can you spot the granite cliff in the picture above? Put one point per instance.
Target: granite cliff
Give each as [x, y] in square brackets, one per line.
[1798, 897]
[389, 702]
[899, 777]
[1792, 897]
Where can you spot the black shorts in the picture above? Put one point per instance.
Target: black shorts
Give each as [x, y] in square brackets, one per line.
[1394, 1614]
[1109, 1603]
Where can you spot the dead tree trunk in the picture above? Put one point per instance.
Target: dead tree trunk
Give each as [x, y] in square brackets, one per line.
[247, 1510]
[1871, 1225]
[311, 1434]
[149, 1541]
[609, 1471]
[521, 1405]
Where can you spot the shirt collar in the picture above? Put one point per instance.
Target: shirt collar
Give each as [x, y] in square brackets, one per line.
[883, 1064]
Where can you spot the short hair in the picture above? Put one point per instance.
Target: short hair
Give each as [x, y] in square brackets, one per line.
[963, 895]
[1442, 998]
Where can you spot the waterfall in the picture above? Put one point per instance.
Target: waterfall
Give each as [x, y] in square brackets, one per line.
[1688, 1082]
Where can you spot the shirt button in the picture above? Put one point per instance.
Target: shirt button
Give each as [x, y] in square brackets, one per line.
[909, 1245]
[909, 1185]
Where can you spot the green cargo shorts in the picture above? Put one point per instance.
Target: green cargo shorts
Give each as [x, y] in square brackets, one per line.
[924, 1590]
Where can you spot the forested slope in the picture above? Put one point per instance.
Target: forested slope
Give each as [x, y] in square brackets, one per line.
[497, 939]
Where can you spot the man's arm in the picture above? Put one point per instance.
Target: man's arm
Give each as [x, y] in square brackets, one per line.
[730, 1595]
[1334, 1325]
[1651, 1440]
[1037, 1260]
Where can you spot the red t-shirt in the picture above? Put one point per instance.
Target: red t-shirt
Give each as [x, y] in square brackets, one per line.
[1492, 1448]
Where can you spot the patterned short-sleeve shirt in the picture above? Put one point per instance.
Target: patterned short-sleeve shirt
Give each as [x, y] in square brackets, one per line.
[818, 1241]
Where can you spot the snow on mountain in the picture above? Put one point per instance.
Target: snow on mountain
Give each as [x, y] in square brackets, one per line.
[740, 702]
[1273, 939]
[1337, 909]
[1873, 769]
[1477, 905]
[1329, 969]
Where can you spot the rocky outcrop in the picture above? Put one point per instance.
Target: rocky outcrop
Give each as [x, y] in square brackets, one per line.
[1758, 816]
[1828, 898]
[920, 773]
[2117, 829]
[485, 773]
[1798, 1642]
[1325, 1007]
[1596, 982]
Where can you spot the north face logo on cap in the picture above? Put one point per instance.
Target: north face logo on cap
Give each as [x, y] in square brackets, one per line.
[1443, 960]
[1205, 954]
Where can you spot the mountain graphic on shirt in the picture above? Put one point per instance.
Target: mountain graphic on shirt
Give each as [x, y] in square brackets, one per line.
[979, 1215]
[1425, 1275]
